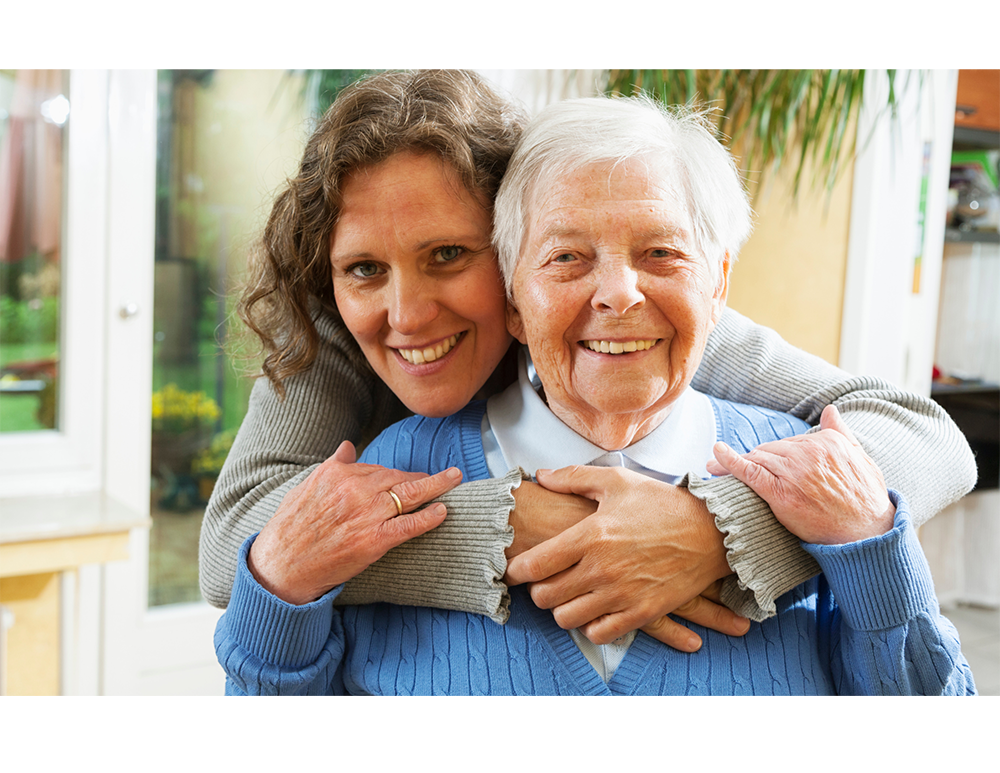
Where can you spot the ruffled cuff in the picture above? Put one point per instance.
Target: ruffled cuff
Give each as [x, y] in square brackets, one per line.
[459, 565]
[276, 632]
[767, 559]
[880, 582]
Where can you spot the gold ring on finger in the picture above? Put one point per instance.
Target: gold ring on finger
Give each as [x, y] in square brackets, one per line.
[399, 505]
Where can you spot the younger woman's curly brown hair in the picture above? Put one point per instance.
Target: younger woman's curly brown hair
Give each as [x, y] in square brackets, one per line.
[452, 113]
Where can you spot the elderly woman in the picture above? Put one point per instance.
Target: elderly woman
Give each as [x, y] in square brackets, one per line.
[326, 384]
[616, 227]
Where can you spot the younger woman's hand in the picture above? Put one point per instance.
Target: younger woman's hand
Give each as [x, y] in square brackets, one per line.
[822, 487]
[650, 549]
[340, 520]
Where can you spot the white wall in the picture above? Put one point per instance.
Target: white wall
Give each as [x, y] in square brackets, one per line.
[537, 88]
[889, 326]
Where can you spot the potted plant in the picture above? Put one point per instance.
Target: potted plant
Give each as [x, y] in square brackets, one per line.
[182, 426]
[208, 463]
[775, 117]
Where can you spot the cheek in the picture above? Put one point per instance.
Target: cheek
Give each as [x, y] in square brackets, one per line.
[360, 314]
[481, 297]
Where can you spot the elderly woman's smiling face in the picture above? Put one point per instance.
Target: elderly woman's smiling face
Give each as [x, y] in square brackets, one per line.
[613, 298]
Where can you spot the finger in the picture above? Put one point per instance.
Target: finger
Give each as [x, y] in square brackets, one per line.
[546, 559]
[713, 467]
[598, 619]
[725, 456]
[405, 527]
[608, 628]
[415, 491]
[708, 614]
[574, 599]
[345, 453]
[673, 634]
[590, 482]
[755, 475]
[831, 419]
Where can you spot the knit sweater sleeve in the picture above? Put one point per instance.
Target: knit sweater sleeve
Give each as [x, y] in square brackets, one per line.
[919, 449]
[282, 441]
[269, 647]
[886, 634]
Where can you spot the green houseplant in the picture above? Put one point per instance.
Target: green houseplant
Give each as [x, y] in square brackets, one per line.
[774, 117]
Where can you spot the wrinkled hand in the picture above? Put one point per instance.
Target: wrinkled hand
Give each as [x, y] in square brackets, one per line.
[649, 550]
[822, 487]
[340, 520]
[540, 514]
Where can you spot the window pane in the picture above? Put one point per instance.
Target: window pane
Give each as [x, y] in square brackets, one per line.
[34, 113]
[226, 141]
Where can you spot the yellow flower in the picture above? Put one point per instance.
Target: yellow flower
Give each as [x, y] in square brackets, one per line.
[175, 410]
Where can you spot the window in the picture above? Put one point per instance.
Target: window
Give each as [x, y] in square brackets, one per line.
[34, 110]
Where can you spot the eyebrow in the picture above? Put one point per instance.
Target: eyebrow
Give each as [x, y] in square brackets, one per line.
[659, 231]
[466, 239]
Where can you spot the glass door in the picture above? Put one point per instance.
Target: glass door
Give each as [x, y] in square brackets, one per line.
[208, 150]
[226, 139]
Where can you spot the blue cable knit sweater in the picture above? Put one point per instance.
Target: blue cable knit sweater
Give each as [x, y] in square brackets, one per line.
[869, 624]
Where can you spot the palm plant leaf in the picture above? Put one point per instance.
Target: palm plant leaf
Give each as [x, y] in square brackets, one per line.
[767, 115]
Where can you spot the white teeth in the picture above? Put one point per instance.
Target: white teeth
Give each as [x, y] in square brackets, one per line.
[431, 353]
[620, 347]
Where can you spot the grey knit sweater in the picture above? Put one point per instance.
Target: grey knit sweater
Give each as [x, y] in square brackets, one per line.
[460, 564]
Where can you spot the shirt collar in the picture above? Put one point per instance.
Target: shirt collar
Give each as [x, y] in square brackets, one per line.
[529, 435]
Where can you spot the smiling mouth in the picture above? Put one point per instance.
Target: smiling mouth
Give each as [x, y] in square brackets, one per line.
[431, 353]
[620, 347]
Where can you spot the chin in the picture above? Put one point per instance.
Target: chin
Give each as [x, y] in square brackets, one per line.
[436, 409]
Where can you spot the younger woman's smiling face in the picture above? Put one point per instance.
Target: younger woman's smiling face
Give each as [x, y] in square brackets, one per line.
[416, 281]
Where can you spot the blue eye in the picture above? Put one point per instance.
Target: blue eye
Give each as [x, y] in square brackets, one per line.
[449, 253]
[564, 258]
[363, 270]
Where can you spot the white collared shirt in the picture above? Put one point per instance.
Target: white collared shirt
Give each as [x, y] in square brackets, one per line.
[519, 430]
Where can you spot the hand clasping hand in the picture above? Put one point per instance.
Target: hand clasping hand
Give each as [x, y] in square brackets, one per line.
[822, 487]
[339, 520]
[649, 550]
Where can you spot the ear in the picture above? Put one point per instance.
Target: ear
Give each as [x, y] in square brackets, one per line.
[514, 325]
[721, 289]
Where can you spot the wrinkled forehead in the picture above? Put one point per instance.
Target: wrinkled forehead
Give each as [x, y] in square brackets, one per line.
[661, 176]
[623, 186]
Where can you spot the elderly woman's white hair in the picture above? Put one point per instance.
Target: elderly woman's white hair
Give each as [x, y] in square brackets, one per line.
[601, 130]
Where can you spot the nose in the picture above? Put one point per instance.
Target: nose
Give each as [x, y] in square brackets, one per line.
[617, 288]
[412, 303]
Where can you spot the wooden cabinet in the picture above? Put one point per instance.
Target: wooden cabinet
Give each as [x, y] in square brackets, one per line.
[978, 100]
[41, 539]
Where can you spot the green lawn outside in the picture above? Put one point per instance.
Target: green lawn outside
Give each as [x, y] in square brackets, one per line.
[18, 412]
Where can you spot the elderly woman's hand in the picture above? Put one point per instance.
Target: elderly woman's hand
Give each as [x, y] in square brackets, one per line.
[822, 487]
[649, 550]
[340, 520]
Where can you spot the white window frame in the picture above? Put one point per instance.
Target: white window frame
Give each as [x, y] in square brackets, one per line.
[69, 459]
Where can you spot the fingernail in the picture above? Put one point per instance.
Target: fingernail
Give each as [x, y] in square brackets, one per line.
[453, 472]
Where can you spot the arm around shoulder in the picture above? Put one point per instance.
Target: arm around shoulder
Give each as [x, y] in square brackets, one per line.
[281, 441]
[917, 446]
